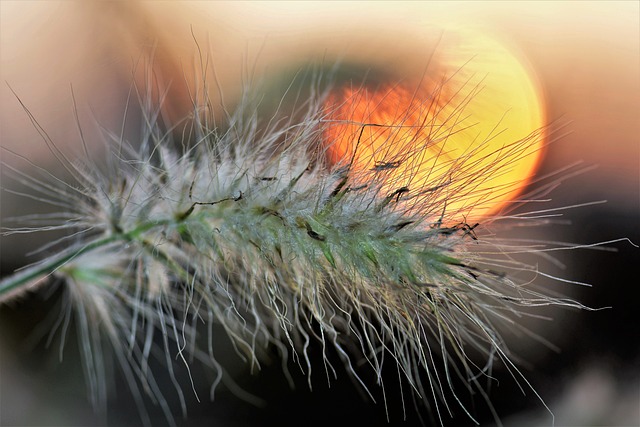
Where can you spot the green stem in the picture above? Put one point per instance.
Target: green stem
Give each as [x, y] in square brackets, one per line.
[26, 276]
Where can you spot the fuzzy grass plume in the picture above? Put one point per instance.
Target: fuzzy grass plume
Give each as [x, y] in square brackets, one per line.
[254, 227]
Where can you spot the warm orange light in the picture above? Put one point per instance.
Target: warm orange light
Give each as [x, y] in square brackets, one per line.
[464, 142]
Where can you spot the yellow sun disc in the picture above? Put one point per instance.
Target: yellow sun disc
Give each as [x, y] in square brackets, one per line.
[467, 137]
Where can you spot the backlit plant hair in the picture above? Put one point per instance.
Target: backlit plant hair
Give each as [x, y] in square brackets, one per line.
[254, 227]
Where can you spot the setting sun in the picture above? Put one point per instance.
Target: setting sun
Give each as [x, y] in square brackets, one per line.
[471, 128]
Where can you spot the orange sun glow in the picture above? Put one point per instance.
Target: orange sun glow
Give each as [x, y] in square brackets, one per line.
[467, 140]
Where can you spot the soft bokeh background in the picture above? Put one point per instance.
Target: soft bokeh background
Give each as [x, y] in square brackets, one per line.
[586, 56]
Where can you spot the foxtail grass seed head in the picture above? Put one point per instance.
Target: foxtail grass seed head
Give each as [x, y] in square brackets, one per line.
[355, 231]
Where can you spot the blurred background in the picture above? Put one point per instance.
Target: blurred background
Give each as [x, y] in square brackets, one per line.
[585, 57]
